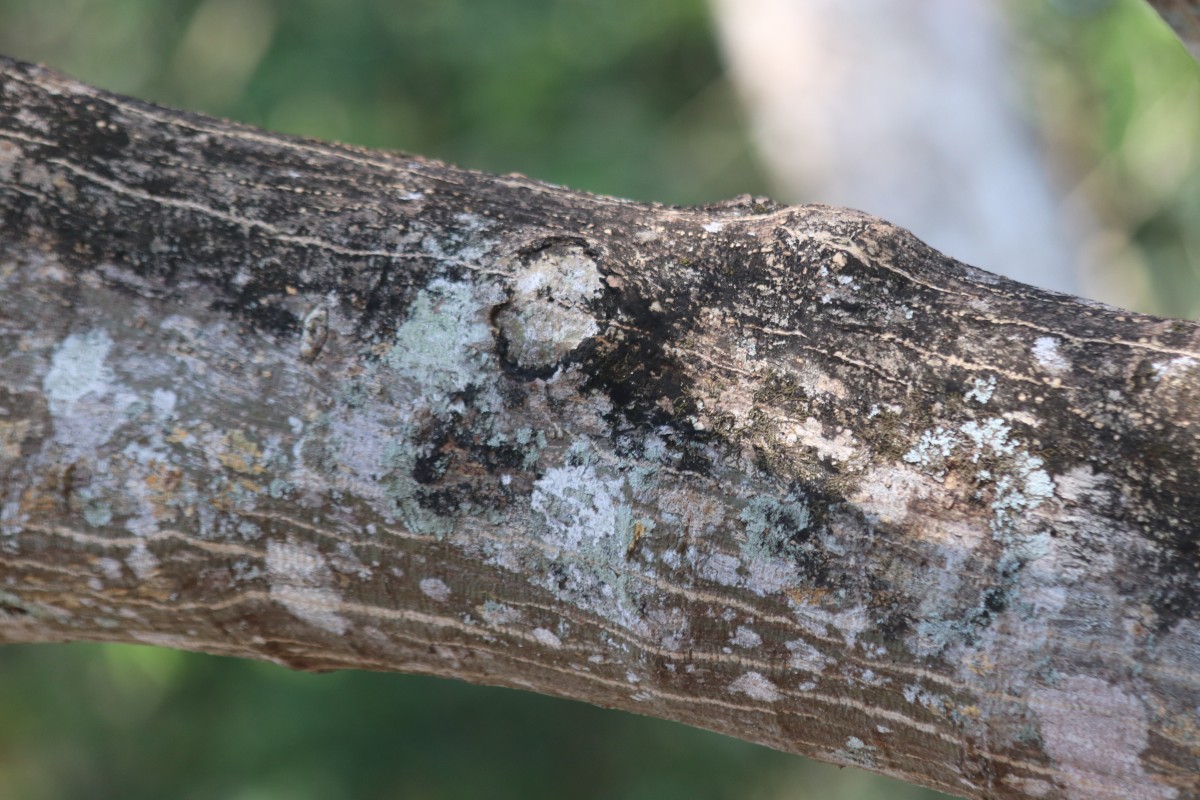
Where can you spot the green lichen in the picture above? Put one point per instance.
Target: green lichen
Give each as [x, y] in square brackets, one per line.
[77, 369]
[97, 513]
[585, 513]
[403, 493]
[774, 528]
[445, 344]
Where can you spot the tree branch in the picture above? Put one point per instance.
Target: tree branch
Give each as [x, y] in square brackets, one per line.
[784, 473]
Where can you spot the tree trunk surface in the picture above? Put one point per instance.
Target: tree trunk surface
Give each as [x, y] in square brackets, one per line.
[783, 473]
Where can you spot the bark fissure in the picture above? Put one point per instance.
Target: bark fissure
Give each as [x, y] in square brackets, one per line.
[786, 473]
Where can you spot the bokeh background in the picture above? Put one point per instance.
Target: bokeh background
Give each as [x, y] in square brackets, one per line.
[624, 97]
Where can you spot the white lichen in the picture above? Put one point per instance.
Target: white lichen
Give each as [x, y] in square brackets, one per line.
[86, 402]
[435, 589]
[982, 391]
[494, 613]
[547, 638]
[77, 369]
[547, 316]
[1172, 368]
[989, 437]
[300, 581]
[745, 637]
[932, 448]
[141, 561]
[583, 514]
[443, 346]
[849, 622]
[806, 657]
[754, 685]
[163, 401]
[1023, 486]
[1045, 352]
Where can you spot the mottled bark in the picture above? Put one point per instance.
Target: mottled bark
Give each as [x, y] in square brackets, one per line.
[785, 473]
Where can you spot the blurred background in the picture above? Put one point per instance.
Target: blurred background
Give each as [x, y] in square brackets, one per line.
[1056, 141]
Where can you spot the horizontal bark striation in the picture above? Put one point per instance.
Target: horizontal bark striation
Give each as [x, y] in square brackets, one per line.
[785, 473]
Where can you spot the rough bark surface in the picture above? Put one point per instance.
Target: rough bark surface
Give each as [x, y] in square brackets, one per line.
[785, 473]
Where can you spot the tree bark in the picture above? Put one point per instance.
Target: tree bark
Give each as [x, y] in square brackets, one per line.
[784, 473]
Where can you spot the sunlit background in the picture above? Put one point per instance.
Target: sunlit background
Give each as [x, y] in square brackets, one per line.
[624, 97]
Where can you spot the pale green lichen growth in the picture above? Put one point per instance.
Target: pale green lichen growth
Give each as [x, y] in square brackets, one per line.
[772, 546]
[97, 513]
[87, 403]
[585, 514]
[494, 613]
[445, 344]
[856, 751]
[932, 448]
[440, 360]
[1023, 486]
[772, 528]
[77, 368]
[1018, 482]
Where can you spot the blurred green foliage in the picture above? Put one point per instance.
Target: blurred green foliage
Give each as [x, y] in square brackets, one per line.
[1118, 98]
[621, 97]
[113, 722]
[137, 723]
[624, 97]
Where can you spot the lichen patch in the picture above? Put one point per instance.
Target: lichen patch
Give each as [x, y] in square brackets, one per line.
[444, 345]
[754, 685]
[85, 400]
[78, 368]
[1095, 732]
[746, 637]
[547, 316]
[435, 589]
[547, 638]
[302, 583]
[1046, 353]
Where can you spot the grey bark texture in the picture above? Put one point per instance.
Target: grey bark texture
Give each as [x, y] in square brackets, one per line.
[784, 473]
